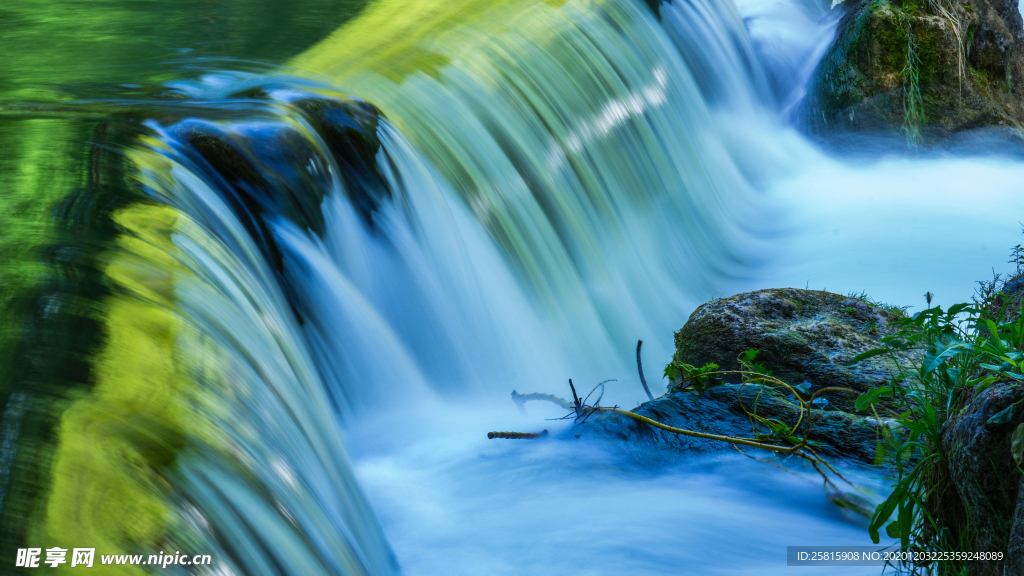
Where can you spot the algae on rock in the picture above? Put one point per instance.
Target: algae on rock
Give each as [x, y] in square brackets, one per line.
[929, 69]
[804, 337]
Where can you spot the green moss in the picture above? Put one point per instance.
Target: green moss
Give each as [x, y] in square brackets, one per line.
[890, 36]
[116, 441]
[982, 81]
[928, 51]
[863, 296]
[391, 37]
[56, 194]
[911, 8]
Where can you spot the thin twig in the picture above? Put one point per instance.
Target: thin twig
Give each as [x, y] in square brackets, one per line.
[640, 369]
[577, 405]
[521, 399]
[516, 435]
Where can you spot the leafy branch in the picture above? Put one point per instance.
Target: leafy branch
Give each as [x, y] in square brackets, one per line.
[966, 350]
[781, 438]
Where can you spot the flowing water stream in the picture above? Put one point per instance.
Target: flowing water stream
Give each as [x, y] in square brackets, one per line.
[322, 313]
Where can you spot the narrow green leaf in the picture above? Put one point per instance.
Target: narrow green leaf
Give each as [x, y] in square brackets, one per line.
[866, 355]
[885, 510]
[906, 523]
[984, 383]
[956, 309]
[1002, 371]
[870, 397]
[881, 452]
[942, 353]
[996, 340]
[893, 529]
[1001, 417]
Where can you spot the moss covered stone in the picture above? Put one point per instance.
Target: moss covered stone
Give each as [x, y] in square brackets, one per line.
[804, 336]
[964, 57]
[980, 504]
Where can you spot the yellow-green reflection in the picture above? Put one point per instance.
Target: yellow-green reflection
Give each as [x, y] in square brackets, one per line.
[106, 491]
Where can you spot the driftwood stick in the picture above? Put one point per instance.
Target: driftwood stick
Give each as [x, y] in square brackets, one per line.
[521, 399]
[640, 369]
[516, 435]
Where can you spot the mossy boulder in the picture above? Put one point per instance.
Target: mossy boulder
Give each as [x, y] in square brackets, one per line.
[804, 336]
[928, 69]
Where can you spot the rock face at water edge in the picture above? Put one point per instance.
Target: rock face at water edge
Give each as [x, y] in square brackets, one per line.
[929, 69]
[806, 338]
[278, 170]
[982, 503]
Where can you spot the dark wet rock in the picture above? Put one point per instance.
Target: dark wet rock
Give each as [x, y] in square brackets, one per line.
[1014, 564]
[985, 476]
[864, 83]
[803, 336]
[273, 169]
[350, 131]
[834, 434]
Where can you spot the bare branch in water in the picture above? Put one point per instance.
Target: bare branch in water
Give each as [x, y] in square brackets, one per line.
[516, 435]
[577, 405]
[522, 399]
[799, 448]
[640, 369]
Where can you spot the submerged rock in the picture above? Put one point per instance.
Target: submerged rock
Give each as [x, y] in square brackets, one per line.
[805, 337]
[927, 68]
[835, 434]
[276, 169]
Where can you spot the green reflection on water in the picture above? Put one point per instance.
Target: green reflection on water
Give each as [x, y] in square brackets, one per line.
[61, 178]
[53, 49]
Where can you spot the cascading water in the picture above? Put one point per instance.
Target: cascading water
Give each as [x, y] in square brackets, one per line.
[522, 246]
[550, 181]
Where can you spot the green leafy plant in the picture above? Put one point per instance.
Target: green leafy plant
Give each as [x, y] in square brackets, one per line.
[687, 377]
[913, 103]
[965, 351]
[1017, 256]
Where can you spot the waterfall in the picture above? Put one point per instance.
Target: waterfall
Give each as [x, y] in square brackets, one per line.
[439, 203]
[581, 141]
[530, 207]
[261, 462]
